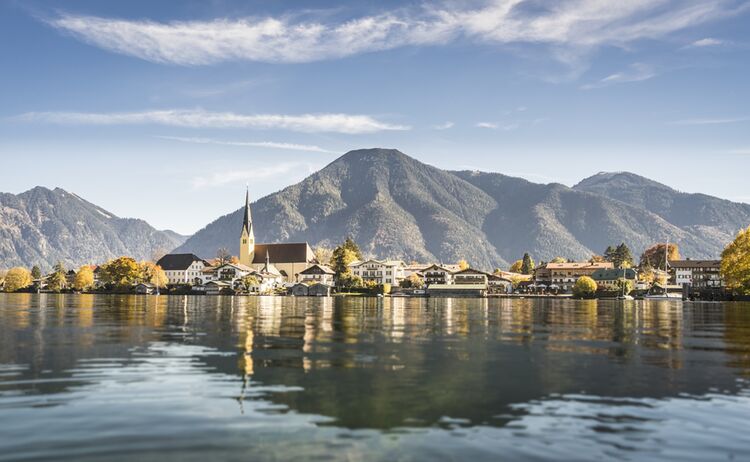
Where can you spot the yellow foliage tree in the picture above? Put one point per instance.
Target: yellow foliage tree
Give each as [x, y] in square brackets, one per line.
[17, 278]
[463, 264]
[516, 267]
[585, 287]
[84, 279]
[735, 263]
[152, 273]
[121, 272]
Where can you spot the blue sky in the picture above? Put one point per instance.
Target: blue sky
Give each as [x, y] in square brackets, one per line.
[165, 110]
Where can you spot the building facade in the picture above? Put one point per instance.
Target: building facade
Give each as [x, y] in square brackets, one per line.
[380, 272]
[698, 274]
[182, 268]
[565, 275]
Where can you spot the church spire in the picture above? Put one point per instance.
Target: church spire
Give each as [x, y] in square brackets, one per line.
[247, 221]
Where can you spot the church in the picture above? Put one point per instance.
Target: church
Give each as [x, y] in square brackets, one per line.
[288, 258]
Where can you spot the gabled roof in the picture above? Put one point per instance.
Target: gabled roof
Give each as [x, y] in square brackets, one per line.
[377, 262]
[611, 274]
[293, 252]
[470, 271]
[437, 267]
[238, 266]
[179, 261]
[715, 264]
[318, 269]
[577, 265]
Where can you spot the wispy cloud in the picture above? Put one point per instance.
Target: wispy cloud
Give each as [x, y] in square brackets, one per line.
[310, 123]
[570, 27]
[496, 126]
[489, 125]
[707, 42]
[254, 144]
[637, 72]
[262, 172]
[710, 121]
[443, 126]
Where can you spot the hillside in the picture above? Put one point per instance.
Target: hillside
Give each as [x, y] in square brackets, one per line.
[43, 226]
[395, 206]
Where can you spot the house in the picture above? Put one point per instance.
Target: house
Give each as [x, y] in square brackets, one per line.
[499, 285]
[289, 258]
[218, 288]
[470, 276]
[317, 273]
[228, 272]
[607, 278]
[300, 289]
[698, 274]
[565, 275]
[438, 274]
[320, 290]
[182, 268]
[457, 290]
[380, 272]
[145, 288]
[414, 268]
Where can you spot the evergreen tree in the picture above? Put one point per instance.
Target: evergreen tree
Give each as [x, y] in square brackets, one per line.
[528, 264]
[345, 254]
[36, 272]
[623, 258]
[56, 281]
[610, 254]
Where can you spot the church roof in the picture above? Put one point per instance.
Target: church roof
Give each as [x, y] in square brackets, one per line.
[297, 252]
[247, 220]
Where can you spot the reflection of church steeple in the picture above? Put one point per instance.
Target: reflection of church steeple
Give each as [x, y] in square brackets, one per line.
[247, 236]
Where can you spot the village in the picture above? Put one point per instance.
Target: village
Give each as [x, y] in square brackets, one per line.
[296, 269]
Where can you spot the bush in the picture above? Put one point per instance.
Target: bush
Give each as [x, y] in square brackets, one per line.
[585, 287]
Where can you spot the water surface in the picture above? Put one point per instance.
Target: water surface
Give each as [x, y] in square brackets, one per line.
[274, 378]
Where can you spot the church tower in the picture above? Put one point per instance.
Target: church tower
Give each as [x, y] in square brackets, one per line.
[247, 237]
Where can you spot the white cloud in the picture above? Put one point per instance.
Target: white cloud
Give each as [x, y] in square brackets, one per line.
[443, 126]
[494, 126]
[311, 123]
[254, 144]
[637, 72]
[707, 42]
[715, 121]
[571, 27]
[258, 173]
[490, 125]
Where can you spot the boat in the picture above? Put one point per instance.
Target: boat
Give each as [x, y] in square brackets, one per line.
[657, 292]
[623, 295]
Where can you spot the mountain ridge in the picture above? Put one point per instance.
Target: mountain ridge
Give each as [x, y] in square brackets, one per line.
[396, 206]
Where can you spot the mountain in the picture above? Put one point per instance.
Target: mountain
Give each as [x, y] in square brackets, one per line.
[395, 206]
[43, 226]
[710, 218]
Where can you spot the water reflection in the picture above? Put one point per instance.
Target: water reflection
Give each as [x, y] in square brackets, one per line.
[364, 364]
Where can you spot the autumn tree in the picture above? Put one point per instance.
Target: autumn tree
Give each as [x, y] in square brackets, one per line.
[735, 263]
[516, 267]
[56, 281]
[463, 264]
[596, 259]
[84, 279]
[121, 272]
[527, 266]
[223, 256]
[654, 255]
[345, 254]
[558, 260]
[17, 278]
[349, 280]
[414, 281]
[585, 287]
[323, 254]
[250, 281]
[152, 273]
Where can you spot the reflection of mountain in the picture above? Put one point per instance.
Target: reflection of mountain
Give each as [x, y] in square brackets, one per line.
[367, 363]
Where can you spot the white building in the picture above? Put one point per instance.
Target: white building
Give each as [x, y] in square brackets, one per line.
[183, 268]
[317, 273]
[380, 272]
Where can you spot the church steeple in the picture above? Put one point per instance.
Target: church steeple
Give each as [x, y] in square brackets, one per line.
[247, 236]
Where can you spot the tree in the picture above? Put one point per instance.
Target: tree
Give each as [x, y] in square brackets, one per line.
[57, 281]
[17, 278]
[346, 253]
[121, 272]
[596, 259]
[223, 256]
[527, 266]
[250, 281]
[516, 267]
[585, 287]
[414, 281]
[84, 279]
[152, 273]
[323, 254]
[609, 254]
[463, 264]
[654, 255]
[624, 286]
[623, 258]
[36, 273]
[349, 280]
[735, 263]
[558, 260]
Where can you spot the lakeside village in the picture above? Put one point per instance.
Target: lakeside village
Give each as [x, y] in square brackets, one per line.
[295, 269]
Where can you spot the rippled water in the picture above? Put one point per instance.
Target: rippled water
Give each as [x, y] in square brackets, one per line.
[264, 378]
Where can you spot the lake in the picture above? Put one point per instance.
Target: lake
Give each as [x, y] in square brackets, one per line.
[85, 377]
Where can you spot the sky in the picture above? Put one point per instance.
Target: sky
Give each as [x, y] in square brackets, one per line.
[167, 111]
